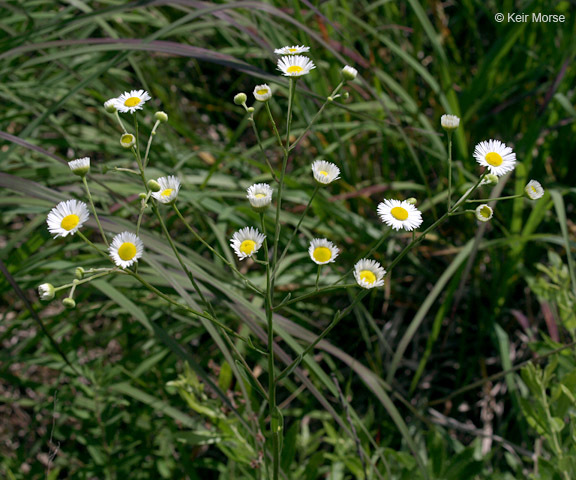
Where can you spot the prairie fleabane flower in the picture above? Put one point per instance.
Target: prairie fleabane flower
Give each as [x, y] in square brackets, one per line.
[295, 66]
[246, 242]
[67, 217]
[369, 273]
[322, 251]
[449, 122]
[125, 249]
[325, 172]
[293, 50]
[46, 291]
[110, 105]
[484, 213]
[131, 101]
[80, 166]
[260, 196]
[349, 73]
[262, 93]
[496, 156]
[127, 140]
[169, 188]
[397, 214]
[534, 190]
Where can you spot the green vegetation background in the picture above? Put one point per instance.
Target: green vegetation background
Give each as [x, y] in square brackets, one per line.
[471, 301]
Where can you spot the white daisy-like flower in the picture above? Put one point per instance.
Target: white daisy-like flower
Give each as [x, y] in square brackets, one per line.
[262, 93]
[484, 213]
[534, 190]
[369, 273]
[293, 50]
[259, 196]
[325, 172]
[126, 248]
[449, 122]
[246, 242]
[131, 101]
[397, 214]
[496, 156]
[46, 291]
[67, 218]
[295, 66]
[80, 166]
[322, 251]
[349, 73]
[169, 188]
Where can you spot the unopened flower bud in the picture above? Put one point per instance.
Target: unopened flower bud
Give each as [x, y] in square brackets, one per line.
[346, 95]
[250, 109]
[240, 98]
[110, 105]
[69, 303]
[349, 73]
[46, 291]
[80, 166]
[490, 179]
[412, 201]
[127, 140]
[142, 196]
[449, 122]
[154, 185]
[161, 116]
[79, 273]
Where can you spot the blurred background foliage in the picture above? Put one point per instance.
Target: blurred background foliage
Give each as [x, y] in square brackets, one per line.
[409, 385]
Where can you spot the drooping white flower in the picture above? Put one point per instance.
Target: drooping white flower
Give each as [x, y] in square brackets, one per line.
[325, 172]
[449, 122]
[349, 73]
[46, 291]
[169, 188]
[534, 190]
[80, 166]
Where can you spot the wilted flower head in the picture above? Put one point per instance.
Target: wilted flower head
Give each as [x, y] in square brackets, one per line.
[534, 190]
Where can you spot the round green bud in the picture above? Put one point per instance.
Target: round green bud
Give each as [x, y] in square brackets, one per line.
[250, 109]
[240, 98]
[154, 185]
[79, 273]
[412, 201]
[69, 303]
[142, 196]
[127, 140]
[161, 116]
[490, 179]
[346, 95]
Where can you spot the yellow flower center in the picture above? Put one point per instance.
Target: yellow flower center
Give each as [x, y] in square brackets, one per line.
[260, 195]
[292, 50]
[533, 188]
[399, 213]
[322, 254]
[294, 69]
[367, 276]
[127, 251]
[126, 138]
[485, 212]
[494, 159]
[262, 91]
[132, 101]
[323, 172]
[167, 192]
[70, 221]
[247, 246]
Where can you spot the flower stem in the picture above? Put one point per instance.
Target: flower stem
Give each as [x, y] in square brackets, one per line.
[295, 231]
[94, 209]
[152, 134]
[449, 168]
[318, 276]
[509, 197]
